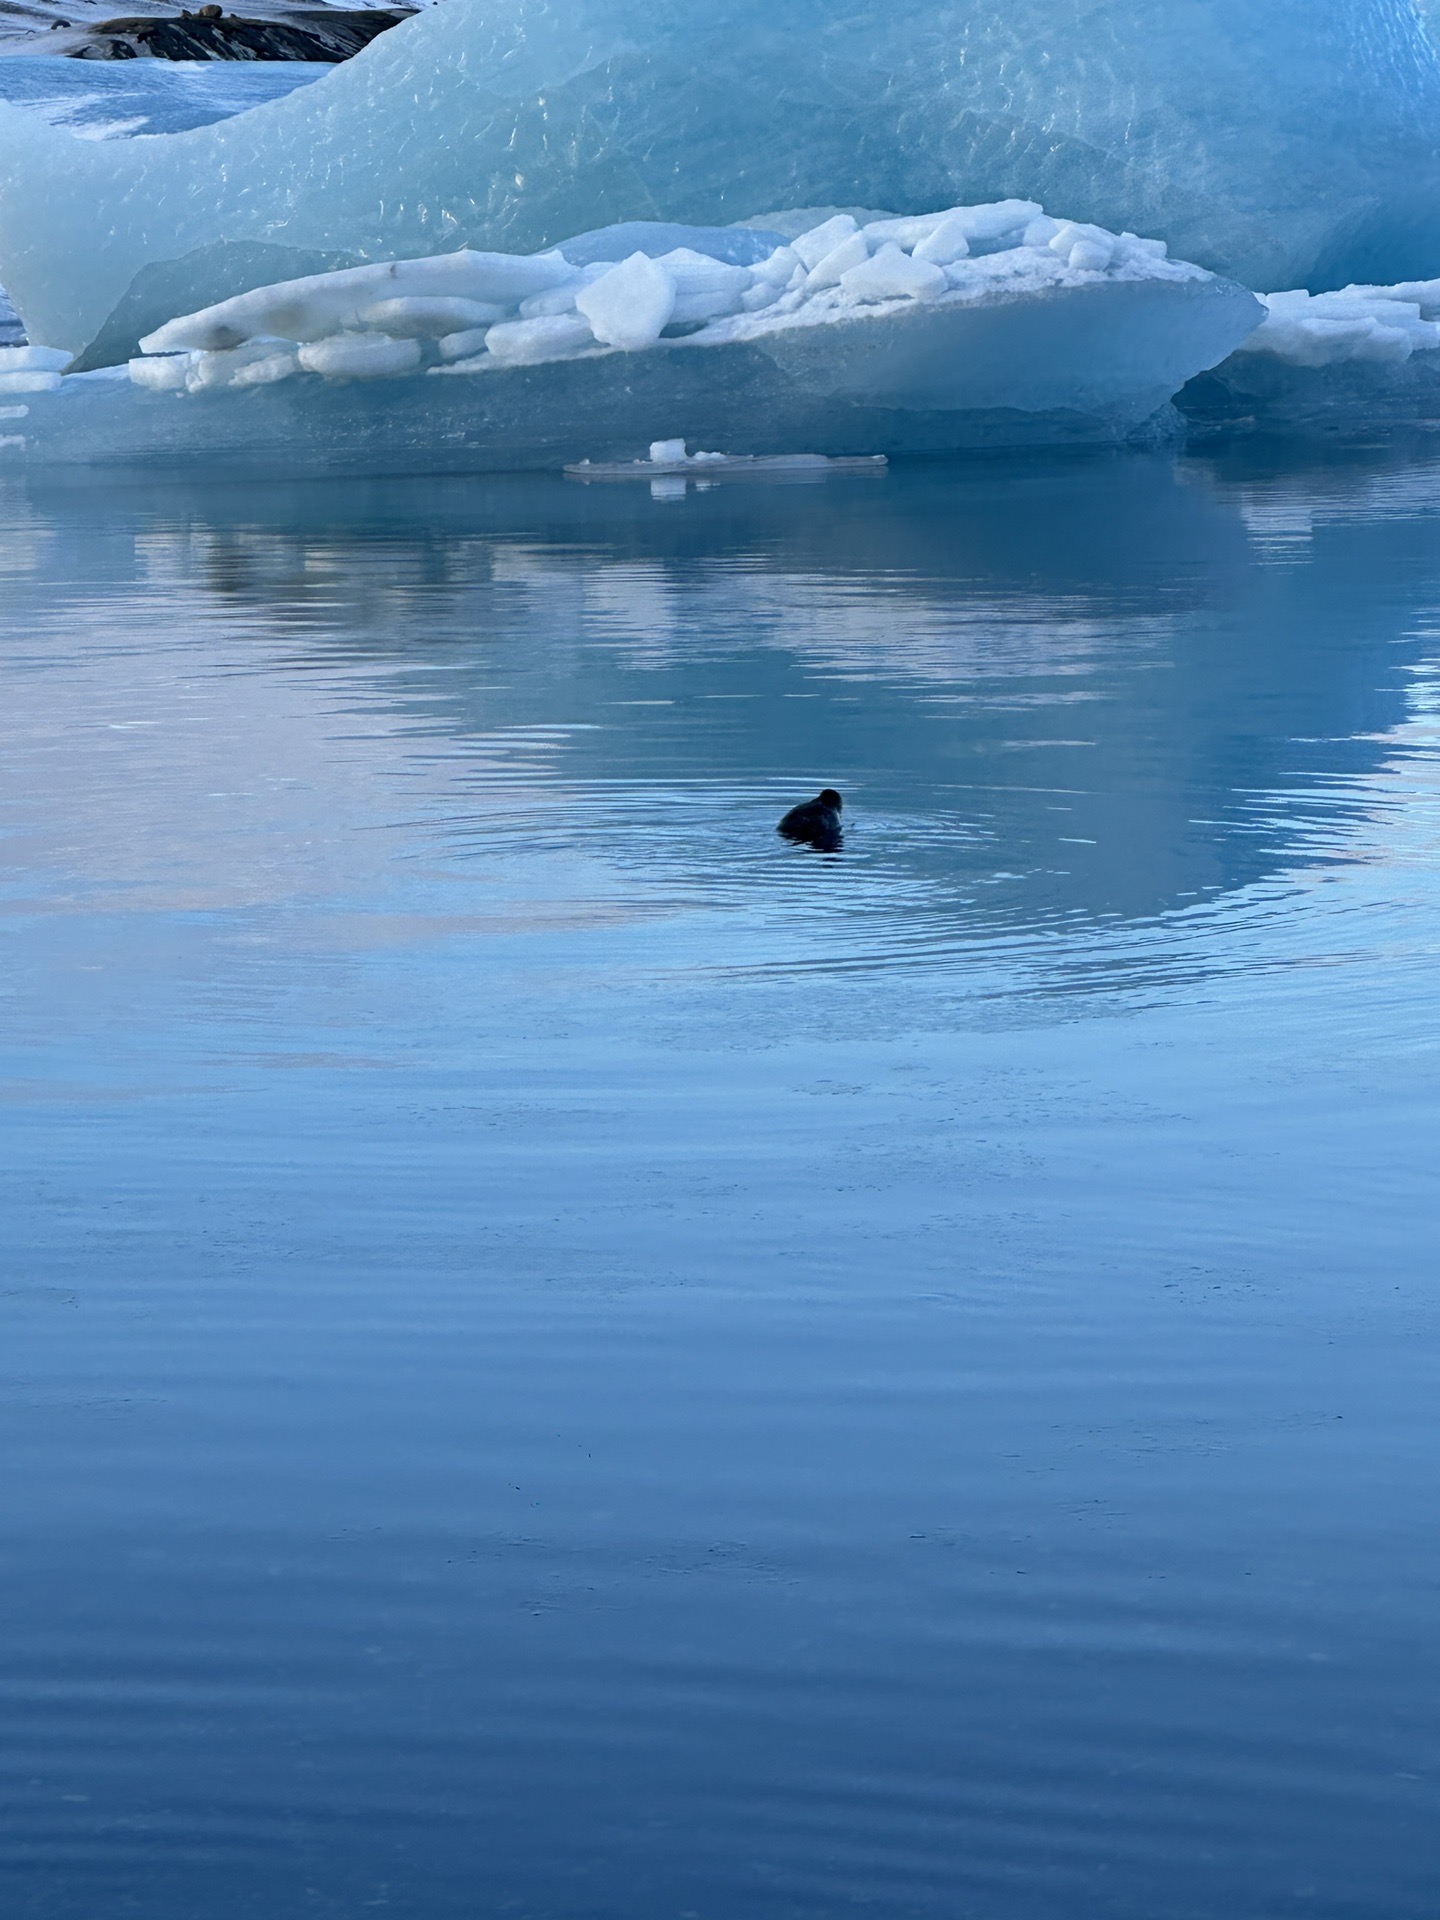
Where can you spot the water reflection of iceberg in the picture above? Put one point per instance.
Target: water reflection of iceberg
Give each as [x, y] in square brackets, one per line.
[1063, 694]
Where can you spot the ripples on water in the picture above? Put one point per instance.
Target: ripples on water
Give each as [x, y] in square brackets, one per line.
[564, 1357]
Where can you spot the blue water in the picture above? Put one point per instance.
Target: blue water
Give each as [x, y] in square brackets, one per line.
[116, 99]
[563, 1357]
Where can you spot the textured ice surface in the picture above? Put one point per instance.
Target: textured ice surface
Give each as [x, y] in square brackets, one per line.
[1286, 143]
[1031, 343]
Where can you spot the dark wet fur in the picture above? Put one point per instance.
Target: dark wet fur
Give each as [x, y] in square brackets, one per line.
[816, 823]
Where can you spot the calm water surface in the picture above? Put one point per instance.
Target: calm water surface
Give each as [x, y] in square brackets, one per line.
[564, 1358]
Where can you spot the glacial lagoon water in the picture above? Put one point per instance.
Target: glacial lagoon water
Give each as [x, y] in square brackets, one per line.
[565, 1358]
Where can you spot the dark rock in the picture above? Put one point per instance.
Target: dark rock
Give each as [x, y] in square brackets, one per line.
[330, 34]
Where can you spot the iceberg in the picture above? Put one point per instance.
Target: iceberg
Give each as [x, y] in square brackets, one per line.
[841, 339]
[1286, 144]
[1345, 365]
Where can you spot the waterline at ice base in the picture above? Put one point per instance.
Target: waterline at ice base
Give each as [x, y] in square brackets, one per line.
[1296, 148]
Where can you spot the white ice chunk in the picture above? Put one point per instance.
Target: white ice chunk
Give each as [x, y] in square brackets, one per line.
[695, 273]
[667, 452]
[831, 267]
[996, 219]
[37, 382]
[422, 317]
[948, 240]
[705, 289]
[460, 346]
[763, 294]
[258, 363]
[631, 305]
[561, 299]
[813, 246]
[892, 275]
[265, 371]
[1355, 323]
[520, 343]
[321, 304]
[162, 373]
[1040, 231]
[361, 356]
[1085, 248]
[34, 359]
[780, 267]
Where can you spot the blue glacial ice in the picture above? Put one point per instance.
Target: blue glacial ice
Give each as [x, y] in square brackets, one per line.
[969, 327]
[1289, 143]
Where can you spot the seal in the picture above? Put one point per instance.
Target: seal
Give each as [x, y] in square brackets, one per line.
[815, 823]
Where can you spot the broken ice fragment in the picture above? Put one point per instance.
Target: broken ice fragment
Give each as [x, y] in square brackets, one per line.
[518, 343]
[892, 275]
[321, 304]
[945, 243]
[631, 305]
[361, 356]
[430, 317]
[828, 271]
[34, 359]
[813, 246]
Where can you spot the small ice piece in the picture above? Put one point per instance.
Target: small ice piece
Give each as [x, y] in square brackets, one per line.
[944, 243]
[779, 269]
[997, 219]
[1138, 247]
[1084, 248]
[321, 304]
[36, 382]
[561, 299]
[705, 289]
[525, 343]
[892, 275]
[161, 372]
[813, 246]
[828, 272]
[763, 294]
[667, 453]
[240, 366]
[34, 359]
[906, 232]
[1041, 231]
[460, 346]
[631, 305]
[423, 317]
[360, 356]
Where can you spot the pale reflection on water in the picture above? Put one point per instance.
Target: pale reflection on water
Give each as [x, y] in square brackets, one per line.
[567, 1357]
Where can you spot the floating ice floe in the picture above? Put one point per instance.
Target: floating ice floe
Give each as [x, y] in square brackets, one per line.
[1282, 142]
[993, 325]
[1348, 364]
[670, 470]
